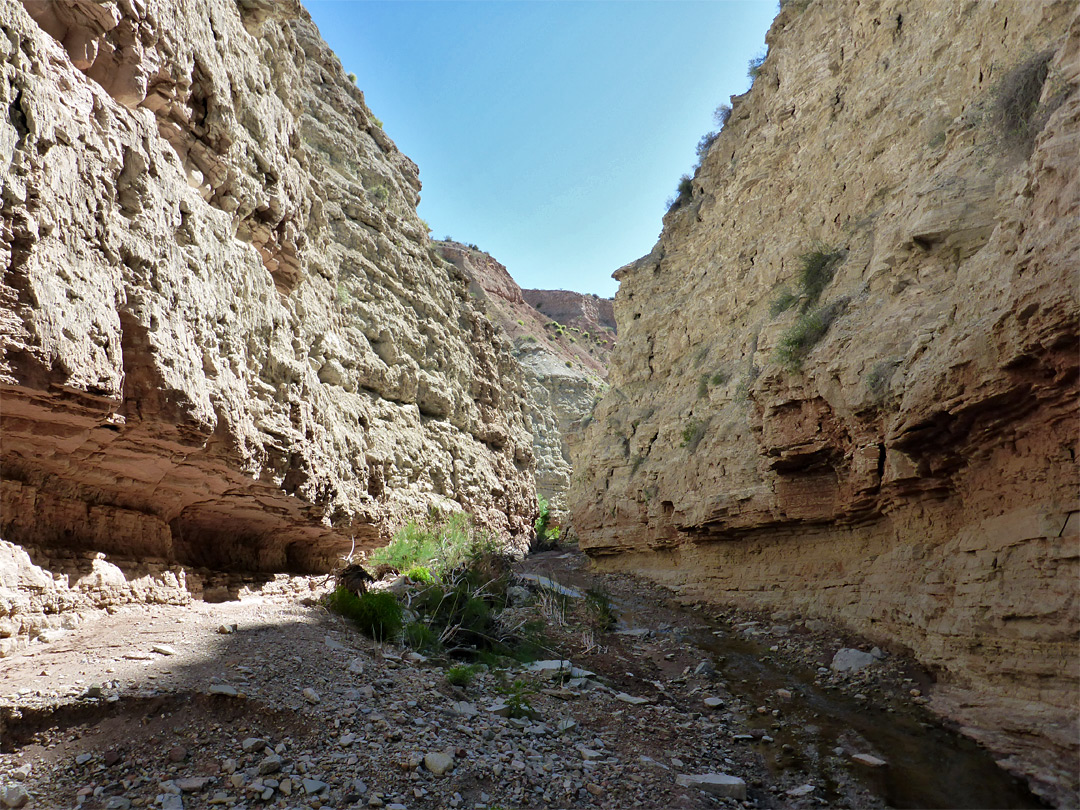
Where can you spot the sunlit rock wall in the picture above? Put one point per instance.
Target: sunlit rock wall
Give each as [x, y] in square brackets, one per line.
[224, 338]
[912, 474]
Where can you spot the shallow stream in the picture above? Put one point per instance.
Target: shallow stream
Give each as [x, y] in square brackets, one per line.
[929, 766]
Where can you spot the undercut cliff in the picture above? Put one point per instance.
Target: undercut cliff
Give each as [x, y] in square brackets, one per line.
[225, 339]
[846, 377]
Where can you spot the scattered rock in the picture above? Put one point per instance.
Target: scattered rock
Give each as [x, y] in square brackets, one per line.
[14, 796]
[713, 703]
[177, 753]
[438, 763]
[715, 784]
[632, 699]
[223, 689]
[801, 790]
[869, 760]
[163, 649]
[848, 659]
[192, 784]
[311, 696]
[463, 708]
[271, 764]
[705, 669]
[252, 744]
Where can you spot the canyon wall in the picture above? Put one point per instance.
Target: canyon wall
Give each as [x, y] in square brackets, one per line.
[564, 360]
[225, 338]
[846, 377]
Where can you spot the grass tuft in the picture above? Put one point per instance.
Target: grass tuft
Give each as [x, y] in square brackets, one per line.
[376, 614]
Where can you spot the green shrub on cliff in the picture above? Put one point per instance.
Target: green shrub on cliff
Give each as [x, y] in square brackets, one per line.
[795, 344]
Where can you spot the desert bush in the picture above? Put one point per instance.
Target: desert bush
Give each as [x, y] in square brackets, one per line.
[816, 269]
[1015, 101]
[379, 194]
[795, 344]
[516, 696]
[419, 573]
[546, 534]
[376, 614]
[785, 300]
[462, 674]
[753, 67]
[436, 544]
[703, 386]
[722, 114]
[692, 434]
[705, 144]
[879, 377]
[421, 637]
[719, 378]
[598, 603]
[684, 192]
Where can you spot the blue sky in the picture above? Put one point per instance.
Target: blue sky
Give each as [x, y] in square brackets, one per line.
[550, 133]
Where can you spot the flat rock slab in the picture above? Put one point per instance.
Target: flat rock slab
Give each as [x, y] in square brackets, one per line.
[869, 760]
[849, 659]
[552, 585]
[716, 784]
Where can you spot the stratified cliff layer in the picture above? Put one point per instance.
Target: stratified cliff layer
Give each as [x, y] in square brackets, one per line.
[564, 360]
[225, 340]
[846, 378]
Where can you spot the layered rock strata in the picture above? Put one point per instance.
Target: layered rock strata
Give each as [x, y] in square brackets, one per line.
[846, 379]
[225, 340]
[564, 361]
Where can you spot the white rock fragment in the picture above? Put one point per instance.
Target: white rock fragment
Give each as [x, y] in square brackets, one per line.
[438, 763]
[848, 659]
[869, 760]
[716, 784]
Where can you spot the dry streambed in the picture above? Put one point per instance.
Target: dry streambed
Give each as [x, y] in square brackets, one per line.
[276, 703]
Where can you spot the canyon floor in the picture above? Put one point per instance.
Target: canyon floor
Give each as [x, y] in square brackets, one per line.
[271, 701]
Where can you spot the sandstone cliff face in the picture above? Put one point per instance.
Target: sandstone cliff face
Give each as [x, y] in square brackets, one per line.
[564, 365]
[225, 340]
[912, 474]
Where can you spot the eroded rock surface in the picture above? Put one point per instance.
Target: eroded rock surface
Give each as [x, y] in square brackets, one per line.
[913, 473]
[224, 338]
[563, 354]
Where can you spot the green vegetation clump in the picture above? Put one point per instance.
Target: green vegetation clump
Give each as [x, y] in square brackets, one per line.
[546, 534]
[692, 434]
[437, 545]
[722, 114]
[419, 573]
[684, 192]
[719, 378]
[598, 603]
[380, 194]
[462, 674]
[378, 615]
[816, 269]
[703, 386]
[516, 696]
[753, 67]
[785, 300]
[796, 343]
[421, 637]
